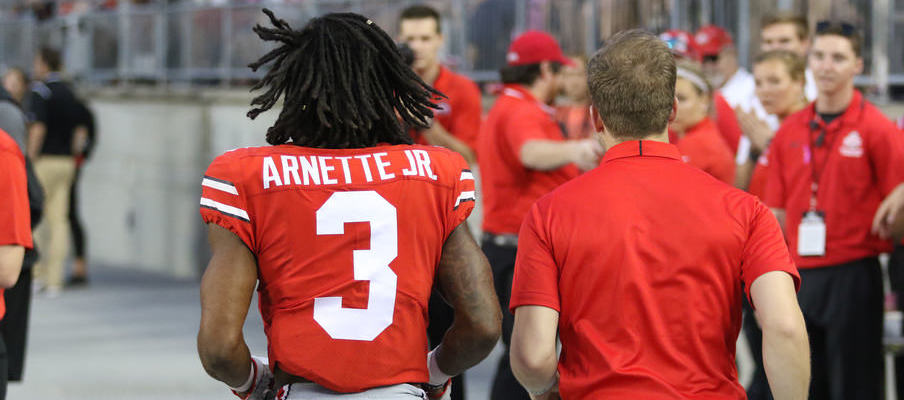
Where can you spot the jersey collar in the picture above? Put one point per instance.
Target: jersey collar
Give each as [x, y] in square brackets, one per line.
[642, 148]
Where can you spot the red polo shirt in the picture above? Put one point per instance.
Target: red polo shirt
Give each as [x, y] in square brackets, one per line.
[459, 114]
[704, 148]
[509, 188]
[649, 303]
[860, 161]
[15, 214]
[727, 122]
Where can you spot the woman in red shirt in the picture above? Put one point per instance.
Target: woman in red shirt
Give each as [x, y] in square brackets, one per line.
[780, 79]
[696, 135]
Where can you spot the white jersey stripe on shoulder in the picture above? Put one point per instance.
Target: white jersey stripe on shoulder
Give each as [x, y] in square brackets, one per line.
[225, 209]
[465, 196]
[219, 185]
[465, 175]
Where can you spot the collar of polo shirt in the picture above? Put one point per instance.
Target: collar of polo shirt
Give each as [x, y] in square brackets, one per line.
[644, 148]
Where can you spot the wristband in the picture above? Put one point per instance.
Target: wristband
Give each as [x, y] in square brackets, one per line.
[437, 376]
[555, 381]
[247, 385]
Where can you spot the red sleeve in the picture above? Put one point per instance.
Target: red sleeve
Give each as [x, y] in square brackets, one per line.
[15, 214]
[765, 250]
[223, 200]
[464, 194]
[727, 122]
[467, 109]
[774, 194]
[886, 152]
[536, 281]
[522, 128]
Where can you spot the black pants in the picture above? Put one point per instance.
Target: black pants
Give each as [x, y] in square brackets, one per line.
[759, 385]
[842, 306]
[896, 279]
[441, 316]
[502, 259]
[3, 369]
[75, 223]
[14, 326]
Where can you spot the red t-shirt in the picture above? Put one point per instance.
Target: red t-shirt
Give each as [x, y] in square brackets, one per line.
[510, 188]
[865, 163]
[459, 114]
[347, 243]
[15, 214]
[727, 122]
[649, 303]
[575, 121]
[703, 148]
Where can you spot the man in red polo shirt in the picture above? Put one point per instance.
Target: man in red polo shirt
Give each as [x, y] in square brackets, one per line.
[830, 165]
[455, 126]
[638, 265]
[15, 226]
[523, 155]
[457, 121]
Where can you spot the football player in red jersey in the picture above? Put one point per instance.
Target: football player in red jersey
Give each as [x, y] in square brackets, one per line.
[343, 226]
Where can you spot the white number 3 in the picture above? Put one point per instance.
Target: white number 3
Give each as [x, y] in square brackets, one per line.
[369, 265]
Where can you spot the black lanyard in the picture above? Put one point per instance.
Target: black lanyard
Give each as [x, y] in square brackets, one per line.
[816, 173]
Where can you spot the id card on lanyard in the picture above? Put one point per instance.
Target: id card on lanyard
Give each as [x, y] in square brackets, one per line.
[811, 233]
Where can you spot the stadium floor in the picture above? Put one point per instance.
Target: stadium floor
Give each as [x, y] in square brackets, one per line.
[131, 336]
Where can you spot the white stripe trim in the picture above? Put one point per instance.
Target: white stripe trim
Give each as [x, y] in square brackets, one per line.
[466, 175]
[223, 187]
[225, 208]
[464, 196]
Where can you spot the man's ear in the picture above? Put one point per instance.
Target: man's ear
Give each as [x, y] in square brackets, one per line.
[674, 110]
[598, 124]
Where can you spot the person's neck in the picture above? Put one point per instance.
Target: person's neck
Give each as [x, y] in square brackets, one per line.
[610, 141]
[539, 92]
[835, 103]
[728, 76]
[429, 74]
[800, 105]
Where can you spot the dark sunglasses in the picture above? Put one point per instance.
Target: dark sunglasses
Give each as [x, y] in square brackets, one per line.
[846, 29]
[711, 58]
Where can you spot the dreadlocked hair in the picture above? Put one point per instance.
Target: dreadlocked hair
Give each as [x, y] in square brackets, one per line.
[343, 82]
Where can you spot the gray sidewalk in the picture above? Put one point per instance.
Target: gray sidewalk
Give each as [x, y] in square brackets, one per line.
[131, 336]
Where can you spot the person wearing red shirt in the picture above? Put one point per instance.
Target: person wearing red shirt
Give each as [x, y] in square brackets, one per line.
[698, 139]
[456, 122]
[344, 227]
[15, 227]
[830, 165]
[523, 155]
[455, 126]
[638, 265]
[573, 113]
[779, 76]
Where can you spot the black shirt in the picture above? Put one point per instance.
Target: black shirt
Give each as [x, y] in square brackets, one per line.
[54, 103]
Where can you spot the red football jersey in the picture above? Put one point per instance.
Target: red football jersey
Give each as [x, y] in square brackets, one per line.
[347, 242]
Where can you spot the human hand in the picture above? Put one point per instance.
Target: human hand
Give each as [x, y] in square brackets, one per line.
[262, 385]
[888, 222]
[587, 153]
[756, 129]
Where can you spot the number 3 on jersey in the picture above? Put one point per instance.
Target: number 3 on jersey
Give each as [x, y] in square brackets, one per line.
[369, 265]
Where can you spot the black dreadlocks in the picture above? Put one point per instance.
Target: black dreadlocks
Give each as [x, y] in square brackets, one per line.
[344, 85]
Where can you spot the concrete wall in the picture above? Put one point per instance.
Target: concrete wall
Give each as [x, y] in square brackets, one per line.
[139, 192]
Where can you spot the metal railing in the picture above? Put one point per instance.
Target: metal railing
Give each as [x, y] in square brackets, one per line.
[185, 42]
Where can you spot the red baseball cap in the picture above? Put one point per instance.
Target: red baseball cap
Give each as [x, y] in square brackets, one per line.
[533, 47]
[681, 43]
[712, 39]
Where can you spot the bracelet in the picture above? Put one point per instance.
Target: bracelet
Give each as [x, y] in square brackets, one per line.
[555, 381]
[247, 385]
[437, 376]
